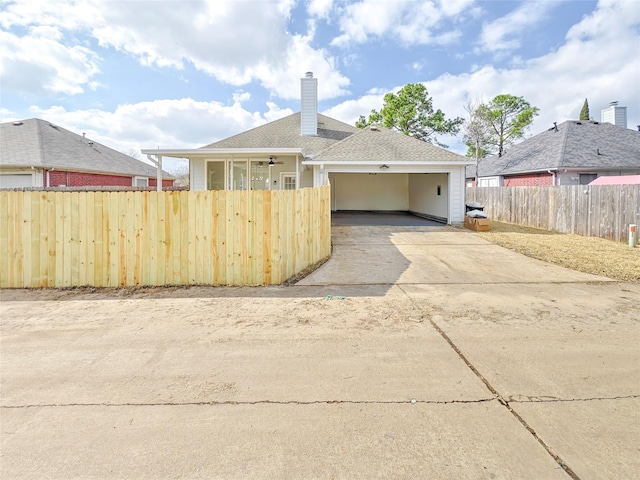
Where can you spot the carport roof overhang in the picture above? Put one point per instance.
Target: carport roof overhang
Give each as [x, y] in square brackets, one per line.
[379, 163]
[217, 152]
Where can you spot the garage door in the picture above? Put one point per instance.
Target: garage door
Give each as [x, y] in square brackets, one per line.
[16, 181]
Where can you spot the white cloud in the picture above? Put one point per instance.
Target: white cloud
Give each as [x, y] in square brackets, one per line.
[236, 42]
[43, 65]
[320, 8]
[413, 23]
[181, 123]
[584, 67]
[506, 33]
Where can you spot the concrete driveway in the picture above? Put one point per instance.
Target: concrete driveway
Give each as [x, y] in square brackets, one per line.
[415, 352]
[431, 254]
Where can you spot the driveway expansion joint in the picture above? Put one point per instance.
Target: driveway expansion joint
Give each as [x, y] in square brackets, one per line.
[497, 394]
[256, 402]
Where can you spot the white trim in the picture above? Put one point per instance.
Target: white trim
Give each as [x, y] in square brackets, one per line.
[284, 175]
[135, 179]
[378, 163]
[203, 152]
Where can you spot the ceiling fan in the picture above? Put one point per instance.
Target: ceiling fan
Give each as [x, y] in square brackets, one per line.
[273, 162]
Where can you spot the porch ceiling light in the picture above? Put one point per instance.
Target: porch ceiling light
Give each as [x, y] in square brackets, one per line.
[271, 162]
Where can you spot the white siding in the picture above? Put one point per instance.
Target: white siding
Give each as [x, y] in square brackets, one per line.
[456, 195]
[615, 115]
[423, 194]
[309, 106]
[198, 180]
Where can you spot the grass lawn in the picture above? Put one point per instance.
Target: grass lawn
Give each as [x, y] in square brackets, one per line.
[585, 254]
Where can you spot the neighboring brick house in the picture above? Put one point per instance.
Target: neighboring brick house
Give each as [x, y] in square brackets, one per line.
[37, 153]
[572, 153]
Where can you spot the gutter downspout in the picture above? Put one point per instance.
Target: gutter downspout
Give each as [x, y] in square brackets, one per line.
[553, 176]
[158, 164]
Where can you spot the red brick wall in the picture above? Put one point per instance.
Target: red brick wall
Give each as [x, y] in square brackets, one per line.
[165, 183]
[529, 180]
[81, 179]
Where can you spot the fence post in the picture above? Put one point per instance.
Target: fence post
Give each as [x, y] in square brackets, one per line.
[633, 235]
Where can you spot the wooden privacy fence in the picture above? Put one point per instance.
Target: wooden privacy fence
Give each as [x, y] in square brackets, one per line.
[111, 239]
[596, 211]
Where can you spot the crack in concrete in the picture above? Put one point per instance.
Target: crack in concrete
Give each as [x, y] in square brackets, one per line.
[497, 395]
[255, 402]
[560, 400]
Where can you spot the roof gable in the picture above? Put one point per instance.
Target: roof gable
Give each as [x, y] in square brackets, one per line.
[285, 133]
[41, 144]
[380, 144]
[573, 144]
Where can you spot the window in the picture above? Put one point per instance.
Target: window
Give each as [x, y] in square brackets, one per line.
[489, 182]
[239, 179]
[587, 178]
[259, 175]
[288, 181]
[140, 182]
[215, 175]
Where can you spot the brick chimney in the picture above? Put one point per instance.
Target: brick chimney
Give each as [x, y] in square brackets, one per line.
[309, 105]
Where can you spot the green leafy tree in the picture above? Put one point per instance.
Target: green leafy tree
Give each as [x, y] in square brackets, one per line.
[411, 112]
[584, 113]
[508, 118]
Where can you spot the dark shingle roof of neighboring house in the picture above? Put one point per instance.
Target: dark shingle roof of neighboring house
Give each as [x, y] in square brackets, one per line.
[384, 145]
[285, 133]
[574, 144]
[41, 144]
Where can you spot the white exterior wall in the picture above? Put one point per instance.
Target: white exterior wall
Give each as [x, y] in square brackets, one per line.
[457, 194]
[423, 194]
[309, 105]
[364, 191]
[306, 178]
[13, 177]
[197, 174]
[615, 115]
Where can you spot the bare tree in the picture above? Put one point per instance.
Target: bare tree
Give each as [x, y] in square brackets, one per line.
[181, 172]
[475, 133]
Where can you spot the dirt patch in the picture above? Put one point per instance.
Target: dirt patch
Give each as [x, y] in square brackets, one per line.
[584, 254]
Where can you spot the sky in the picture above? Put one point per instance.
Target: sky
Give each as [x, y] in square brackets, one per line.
[137, 74]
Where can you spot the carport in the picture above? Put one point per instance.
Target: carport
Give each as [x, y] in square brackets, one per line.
[376, 169]
[420, 193]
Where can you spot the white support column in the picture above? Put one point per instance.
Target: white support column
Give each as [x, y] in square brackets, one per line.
[159, 174]
[158, 163]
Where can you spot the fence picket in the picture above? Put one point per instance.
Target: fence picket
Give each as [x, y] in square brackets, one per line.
[598, 210]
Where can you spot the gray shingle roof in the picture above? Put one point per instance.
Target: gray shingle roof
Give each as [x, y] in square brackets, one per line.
[385, 145]
[285, 133]
[575, 144]
[41, 144]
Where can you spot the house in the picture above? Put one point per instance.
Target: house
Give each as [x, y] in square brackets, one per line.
[370, 169]
[37, 153]
[572, 153]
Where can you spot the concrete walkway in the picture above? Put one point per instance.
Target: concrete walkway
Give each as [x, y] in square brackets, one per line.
[457, 359]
